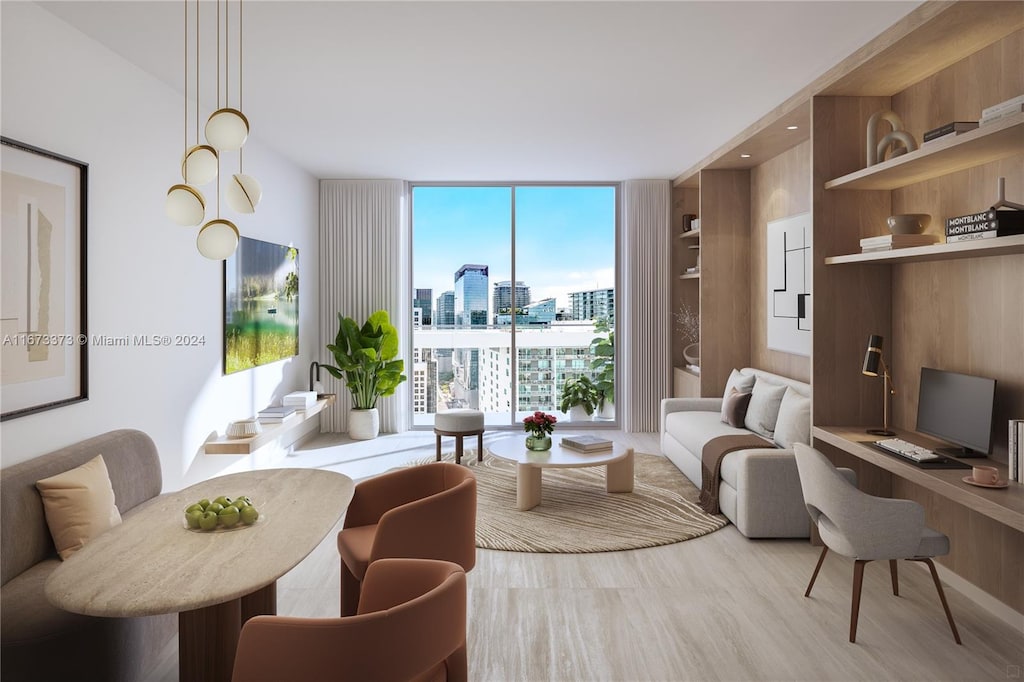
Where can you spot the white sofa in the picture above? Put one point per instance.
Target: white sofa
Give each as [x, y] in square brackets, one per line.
[760, 488]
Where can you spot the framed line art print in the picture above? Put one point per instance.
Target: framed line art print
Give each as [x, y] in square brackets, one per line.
[44, 352]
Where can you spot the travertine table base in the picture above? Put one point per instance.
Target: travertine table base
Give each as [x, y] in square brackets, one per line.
[215, 581]
[531, 463]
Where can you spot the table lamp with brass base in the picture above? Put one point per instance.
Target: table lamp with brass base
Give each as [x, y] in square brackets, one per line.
[872, 360]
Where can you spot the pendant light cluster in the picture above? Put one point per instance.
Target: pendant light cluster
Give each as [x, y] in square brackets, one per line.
[226, 131]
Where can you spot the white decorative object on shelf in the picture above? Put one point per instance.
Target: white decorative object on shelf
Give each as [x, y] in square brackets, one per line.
[244, 428]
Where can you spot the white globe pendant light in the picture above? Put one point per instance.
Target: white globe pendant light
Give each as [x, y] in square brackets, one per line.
[217, 239]
[199, 165]
[243, 193]
[227, 129]
[185, 205]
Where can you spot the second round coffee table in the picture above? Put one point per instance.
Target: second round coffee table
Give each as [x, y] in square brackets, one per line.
[530, 464]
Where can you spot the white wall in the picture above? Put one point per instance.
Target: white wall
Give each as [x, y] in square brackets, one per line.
[65, 93]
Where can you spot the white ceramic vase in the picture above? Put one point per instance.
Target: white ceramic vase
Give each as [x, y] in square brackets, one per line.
[363, 424]
[607, 412]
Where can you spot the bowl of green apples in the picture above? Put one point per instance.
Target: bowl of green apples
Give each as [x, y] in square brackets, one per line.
[222, 514]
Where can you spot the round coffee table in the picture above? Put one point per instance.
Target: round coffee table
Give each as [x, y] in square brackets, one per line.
[530, 464]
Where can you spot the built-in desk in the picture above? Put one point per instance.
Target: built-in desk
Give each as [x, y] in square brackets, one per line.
[985, 525]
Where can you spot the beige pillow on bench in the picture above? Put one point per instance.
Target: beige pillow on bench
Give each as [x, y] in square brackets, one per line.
[79, 505]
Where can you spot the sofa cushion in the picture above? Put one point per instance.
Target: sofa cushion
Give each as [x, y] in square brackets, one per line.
[693, 429]
[79, 505]
[794, 422]
[742, 383]
[763, 410]
[734, 407]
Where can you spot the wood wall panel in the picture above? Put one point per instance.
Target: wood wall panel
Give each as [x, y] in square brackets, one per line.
[725, 276]
[780, 187]
[684, 200]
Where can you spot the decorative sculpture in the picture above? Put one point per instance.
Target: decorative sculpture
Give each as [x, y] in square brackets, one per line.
[876, 151]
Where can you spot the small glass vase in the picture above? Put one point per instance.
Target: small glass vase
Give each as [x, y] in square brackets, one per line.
[538, 442]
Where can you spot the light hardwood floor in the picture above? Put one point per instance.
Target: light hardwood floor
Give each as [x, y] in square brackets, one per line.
[720, 607]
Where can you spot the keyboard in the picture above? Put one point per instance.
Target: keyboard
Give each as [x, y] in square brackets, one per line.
[916, 453]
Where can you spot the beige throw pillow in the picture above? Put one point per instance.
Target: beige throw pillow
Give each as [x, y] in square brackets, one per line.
[763, 410]
[79, 505]
[794, 422]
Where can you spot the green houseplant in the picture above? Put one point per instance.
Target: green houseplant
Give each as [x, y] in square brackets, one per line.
[579, 392]
[603, 364]
[365, 360]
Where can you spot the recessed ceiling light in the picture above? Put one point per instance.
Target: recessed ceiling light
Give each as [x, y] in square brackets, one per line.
[792, 127]
[744, 156]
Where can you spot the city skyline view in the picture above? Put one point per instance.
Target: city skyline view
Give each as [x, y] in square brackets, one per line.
[564, 237]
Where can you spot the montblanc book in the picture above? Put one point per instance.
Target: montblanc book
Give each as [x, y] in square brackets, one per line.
[1002, 223]
[586, 443]
[1013, 103]
[954, 127]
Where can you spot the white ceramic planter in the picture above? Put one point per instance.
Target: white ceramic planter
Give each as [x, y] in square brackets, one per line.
[577, 413]
[363, 424]
[607, 412]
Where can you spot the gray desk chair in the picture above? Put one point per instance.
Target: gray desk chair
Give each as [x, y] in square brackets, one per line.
[866, 528]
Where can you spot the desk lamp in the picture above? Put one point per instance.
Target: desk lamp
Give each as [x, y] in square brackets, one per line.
[872, 360]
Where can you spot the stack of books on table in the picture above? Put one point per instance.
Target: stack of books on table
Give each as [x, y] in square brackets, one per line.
[949, 130]
[1016, 449]
[302, 400]
[275, 415]
[984, 225]
[1010, 107]
[887, 242]
[586, 443]
[695, 270]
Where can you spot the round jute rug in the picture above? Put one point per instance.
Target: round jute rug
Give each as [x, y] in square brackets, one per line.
[576, 514]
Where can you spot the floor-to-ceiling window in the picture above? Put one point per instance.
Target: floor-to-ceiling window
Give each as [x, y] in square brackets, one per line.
[514, 294]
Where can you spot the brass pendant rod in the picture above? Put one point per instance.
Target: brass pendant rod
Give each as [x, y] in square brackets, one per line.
[240, 75]
[197, 72]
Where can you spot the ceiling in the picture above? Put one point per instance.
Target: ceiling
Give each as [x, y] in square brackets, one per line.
[521, 91]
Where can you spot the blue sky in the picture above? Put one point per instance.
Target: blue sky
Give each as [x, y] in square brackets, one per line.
[565, 237]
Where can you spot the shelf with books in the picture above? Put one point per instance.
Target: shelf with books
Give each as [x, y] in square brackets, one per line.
[992, 142]
[223, 445]
[997, 246]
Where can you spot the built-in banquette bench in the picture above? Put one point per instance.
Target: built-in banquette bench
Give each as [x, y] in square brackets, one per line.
[41, 642]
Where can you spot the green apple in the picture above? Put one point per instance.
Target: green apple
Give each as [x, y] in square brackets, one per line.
[204, 503]
[245, 499]
[228, 516]
[208, 521]
[223, 501]
[249, 515]
[192, 517]
[194, 507]
[215, 507]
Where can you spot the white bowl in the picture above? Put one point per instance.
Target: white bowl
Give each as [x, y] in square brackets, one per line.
[908, 223]
[245, 428]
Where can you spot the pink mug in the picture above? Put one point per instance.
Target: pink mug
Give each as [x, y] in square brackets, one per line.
[986, 475]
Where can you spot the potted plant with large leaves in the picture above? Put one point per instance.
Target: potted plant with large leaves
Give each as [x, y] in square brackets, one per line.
[603, 366]
[365, 358]
[579, 398]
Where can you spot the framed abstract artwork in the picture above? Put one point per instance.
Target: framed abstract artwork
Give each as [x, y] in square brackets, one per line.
[261, 304]
[789, 270]
[44, 361]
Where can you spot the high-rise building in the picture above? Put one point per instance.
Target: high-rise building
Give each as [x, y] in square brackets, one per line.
[446, 310]
[424, 381]
[593, 305]
[422, 300]
[471, 295]
[503, 300]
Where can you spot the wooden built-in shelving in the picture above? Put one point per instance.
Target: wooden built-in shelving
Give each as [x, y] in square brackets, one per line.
[992, 142]
[980, 248]
[691, 275]
[692, 234]
[224, 445]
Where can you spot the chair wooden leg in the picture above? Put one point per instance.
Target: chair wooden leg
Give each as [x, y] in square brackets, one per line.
[895, 577]
[349, 591]
[438, 437]
[858, 581]
[458, 449]
[480, 447]
[814, 576]
[942, 598]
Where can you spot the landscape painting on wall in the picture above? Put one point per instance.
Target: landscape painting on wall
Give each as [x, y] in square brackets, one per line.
[261, 305]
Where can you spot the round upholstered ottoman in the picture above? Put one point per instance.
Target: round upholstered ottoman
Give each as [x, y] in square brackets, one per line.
[460, 423]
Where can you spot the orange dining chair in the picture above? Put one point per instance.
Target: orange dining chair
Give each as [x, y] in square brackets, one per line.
[426, 512]
[411, 625]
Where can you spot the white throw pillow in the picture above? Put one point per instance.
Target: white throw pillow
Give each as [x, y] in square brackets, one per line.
[794, 422]
[743, 383]
[763, 410]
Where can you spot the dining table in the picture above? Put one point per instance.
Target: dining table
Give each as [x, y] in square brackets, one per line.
[215, 580]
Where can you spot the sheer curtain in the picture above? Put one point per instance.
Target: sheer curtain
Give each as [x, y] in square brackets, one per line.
[644, 357]
[364, 257]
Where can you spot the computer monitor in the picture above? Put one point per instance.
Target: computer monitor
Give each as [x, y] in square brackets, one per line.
[957, 408]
